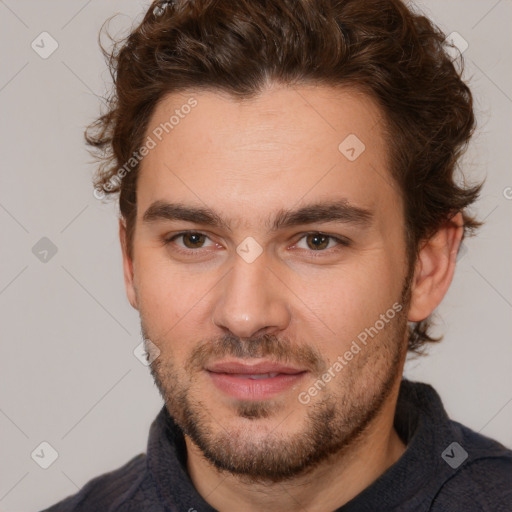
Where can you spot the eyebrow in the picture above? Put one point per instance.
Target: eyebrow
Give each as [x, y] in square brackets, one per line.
[331, 211]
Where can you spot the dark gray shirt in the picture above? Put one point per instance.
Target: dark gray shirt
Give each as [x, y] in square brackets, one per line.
[445, 468]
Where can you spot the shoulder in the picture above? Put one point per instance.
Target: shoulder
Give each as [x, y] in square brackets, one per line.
[484, 485]
[105, 491]
[483, 481]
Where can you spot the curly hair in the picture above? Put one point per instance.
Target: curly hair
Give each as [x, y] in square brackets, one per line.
[381, 47]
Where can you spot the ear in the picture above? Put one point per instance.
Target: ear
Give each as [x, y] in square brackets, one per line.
[127, 266]
[434, 269]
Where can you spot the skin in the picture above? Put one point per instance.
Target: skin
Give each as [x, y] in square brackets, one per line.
[246, 161]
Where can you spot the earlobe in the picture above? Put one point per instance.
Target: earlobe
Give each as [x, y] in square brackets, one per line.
[128, 271]
[435, 266]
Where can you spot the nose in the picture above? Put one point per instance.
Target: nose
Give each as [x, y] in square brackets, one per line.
[251, 300]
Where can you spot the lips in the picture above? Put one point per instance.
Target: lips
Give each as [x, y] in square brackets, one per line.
[256, 375]
[261, 368]
[256, 381]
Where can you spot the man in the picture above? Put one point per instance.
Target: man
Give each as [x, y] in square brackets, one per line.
[289, 221]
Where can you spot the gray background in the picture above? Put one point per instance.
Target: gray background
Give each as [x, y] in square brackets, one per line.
[68, 373]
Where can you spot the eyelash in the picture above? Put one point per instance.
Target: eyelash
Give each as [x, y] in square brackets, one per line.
[342, 242]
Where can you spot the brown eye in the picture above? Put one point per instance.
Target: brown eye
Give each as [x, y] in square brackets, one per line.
[317, 241]
[321, 243]
[193, 240]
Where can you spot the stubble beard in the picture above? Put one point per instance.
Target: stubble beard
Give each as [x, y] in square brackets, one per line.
[331, 425]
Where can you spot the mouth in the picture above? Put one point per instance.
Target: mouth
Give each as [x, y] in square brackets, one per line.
[255, 375]
[256, 381]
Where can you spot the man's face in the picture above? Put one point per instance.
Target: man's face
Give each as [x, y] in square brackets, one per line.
[250, 303]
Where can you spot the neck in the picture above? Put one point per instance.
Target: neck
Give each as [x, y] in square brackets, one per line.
[325, 488]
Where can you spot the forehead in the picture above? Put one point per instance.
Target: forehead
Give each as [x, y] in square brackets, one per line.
[285, 145]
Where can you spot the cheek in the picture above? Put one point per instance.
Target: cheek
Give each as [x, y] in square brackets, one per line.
[351, 299]
[166, 290]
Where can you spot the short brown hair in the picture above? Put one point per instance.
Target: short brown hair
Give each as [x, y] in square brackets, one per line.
[380, 47]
